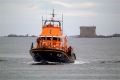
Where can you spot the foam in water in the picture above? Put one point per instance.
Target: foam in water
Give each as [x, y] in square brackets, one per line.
[80, 62]
[32, 62]
[35, 63]
[42, 63]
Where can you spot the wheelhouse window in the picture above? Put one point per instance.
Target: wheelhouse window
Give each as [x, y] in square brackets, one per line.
[55, 38]
[49, 38]
[42, 38]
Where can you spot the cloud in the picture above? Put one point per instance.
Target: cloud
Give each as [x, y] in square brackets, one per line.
[83, 5]
[81, 13]
[63, 4]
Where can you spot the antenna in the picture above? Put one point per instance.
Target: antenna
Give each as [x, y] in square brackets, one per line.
[46, 11]
[62, 23]
[42, 20]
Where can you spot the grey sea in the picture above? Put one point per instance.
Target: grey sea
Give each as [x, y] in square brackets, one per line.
[97, 59]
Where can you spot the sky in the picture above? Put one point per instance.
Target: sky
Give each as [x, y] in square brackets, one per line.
[23, 17]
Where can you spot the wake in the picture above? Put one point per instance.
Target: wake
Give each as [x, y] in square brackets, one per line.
[80, 62]
[53, 63]
[43, 63]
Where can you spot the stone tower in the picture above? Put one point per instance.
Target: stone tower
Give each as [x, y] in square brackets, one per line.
[88, 31]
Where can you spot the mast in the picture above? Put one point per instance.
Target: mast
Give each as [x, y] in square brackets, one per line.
[53, 14]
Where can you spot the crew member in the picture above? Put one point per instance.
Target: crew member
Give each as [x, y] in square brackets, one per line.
[69, 50]
[38, 40]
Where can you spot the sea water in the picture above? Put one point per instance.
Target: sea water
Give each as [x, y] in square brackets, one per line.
[97, 59]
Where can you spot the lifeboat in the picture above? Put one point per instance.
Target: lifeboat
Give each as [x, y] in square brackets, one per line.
[52, 45]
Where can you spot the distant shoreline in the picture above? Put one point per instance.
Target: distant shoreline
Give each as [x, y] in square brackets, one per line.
[18, 36]
[75, 36]
[99, 36]
[68, 36]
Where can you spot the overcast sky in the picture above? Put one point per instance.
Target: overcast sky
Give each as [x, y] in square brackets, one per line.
[23, 17]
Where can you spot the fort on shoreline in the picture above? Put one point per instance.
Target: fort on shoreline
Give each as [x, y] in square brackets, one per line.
[90, 32]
